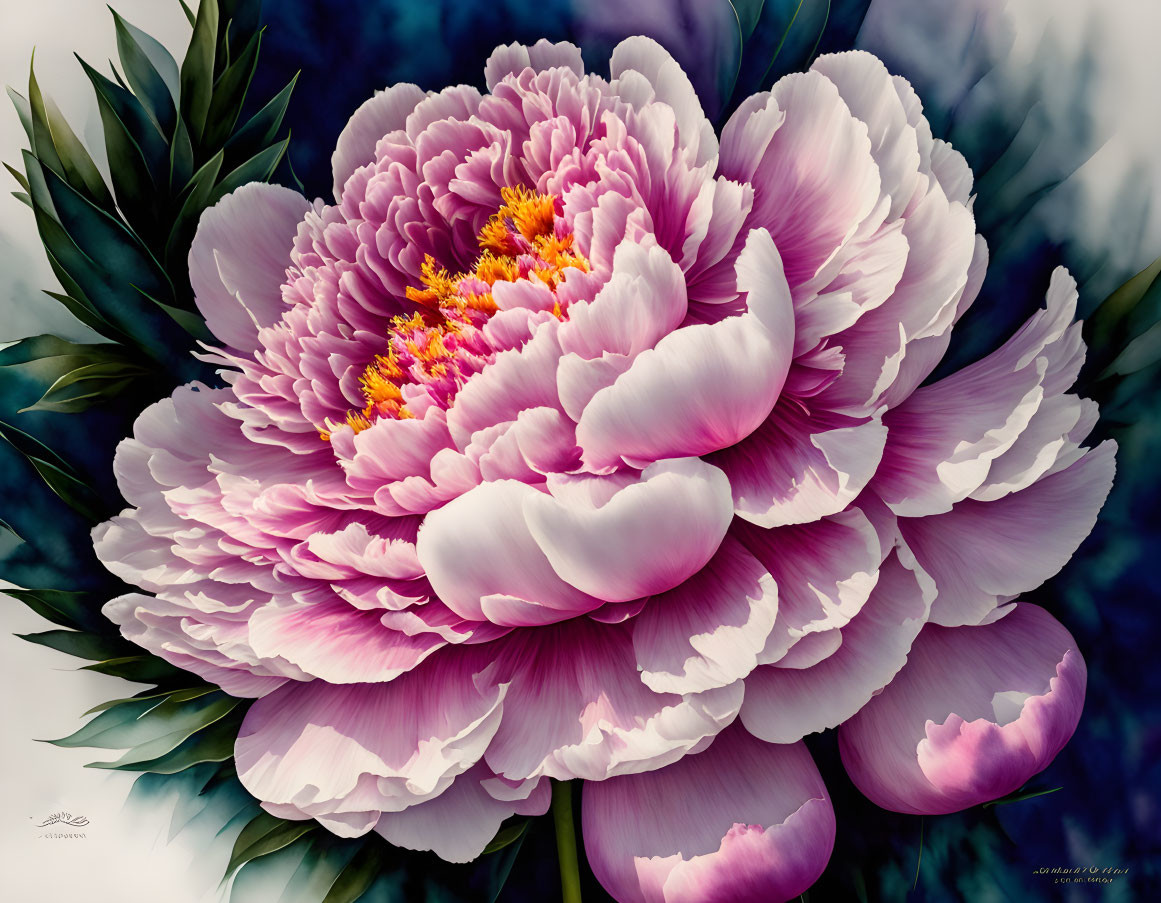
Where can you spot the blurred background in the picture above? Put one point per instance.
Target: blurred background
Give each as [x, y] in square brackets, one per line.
[1054, 104]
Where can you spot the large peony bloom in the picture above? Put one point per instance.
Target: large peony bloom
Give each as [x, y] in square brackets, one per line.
[574, 441]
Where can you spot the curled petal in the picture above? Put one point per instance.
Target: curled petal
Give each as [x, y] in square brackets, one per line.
[703, 387]
[647, 538]
[976, 712]
[742, 822]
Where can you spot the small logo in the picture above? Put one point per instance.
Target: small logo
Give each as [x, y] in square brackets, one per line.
[64, 818]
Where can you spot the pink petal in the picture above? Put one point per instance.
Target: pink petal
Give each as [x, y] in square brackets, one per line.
[742, 822]
[982, 553]
[462, 820]
[337, 643]
[649, 537]
[976, 712]
[481, 544]
[513, 59]
[576, 707]
[703, 387]
[708, 631]
[383, 114]
[796, 467]
[327, 748]
[239, 257]
[783, 704]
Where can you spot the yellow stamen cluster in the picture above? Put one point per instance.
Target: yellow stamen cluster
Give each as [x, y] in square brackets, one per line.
[524, 225]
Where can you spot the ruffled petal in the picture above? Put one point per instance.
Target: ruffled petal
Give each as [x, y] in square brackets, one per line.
[383, 114]
[462, 820]
[784, 704]
[327, 749]
[483, 544]
[576, 707]
[983, 553]
[708, 631]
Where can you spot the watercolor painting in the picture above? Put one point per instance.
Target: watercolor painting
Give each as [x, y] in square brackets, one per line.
[692, 450]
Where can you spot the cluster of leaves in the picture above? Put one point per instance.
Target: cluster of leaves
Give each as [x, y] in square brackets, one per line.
[176, 142]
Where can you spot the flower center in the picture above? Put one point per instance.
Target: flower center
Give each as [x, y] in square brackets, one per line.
[431, 353]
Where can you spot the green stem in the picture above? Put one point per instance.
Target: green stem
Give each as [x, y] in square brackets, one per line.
[566, 841]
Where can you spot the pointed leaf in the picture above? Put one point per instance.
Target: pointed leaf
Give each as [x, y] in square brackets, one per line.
[262, 127]
[79, 644]
[53, 469]
[23, 110]
[354, 880]
[181, 158]
[198, 195]
[179, 695]
[20, 178]
[263, 835]
[77, 610]
[197, 70]
[205, 746]
[257, 169]
[230, 93]
[137, 151]
[141, 668]
[144, 78]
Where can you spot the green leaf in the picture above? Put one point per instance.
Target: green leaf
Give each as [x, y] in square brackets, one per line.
[155, 729]
[20, 178]
[180, 695]
[506, 835]
[113, 723]
[23, 197]
[204, 746]
[263, 835]
[76, 376]
[263, 126]
[1020, 796]
[144, 77]
[198, 195]
[188, 12]
[23, 110]
[81, 645]
[79, 309]
[354, 880]
[1142, 352]
[230, 93]
[86, 386]
[257, 169]
[137, 151]
[749, 12]
[75, 610]
[42, 143]
[140, 668]
[197, 70]
[105, 238]
[56, 472]
[181, 158]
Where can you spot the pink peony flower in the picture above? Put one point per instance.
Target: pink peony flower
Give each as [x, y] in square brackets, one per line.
[576, 441]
